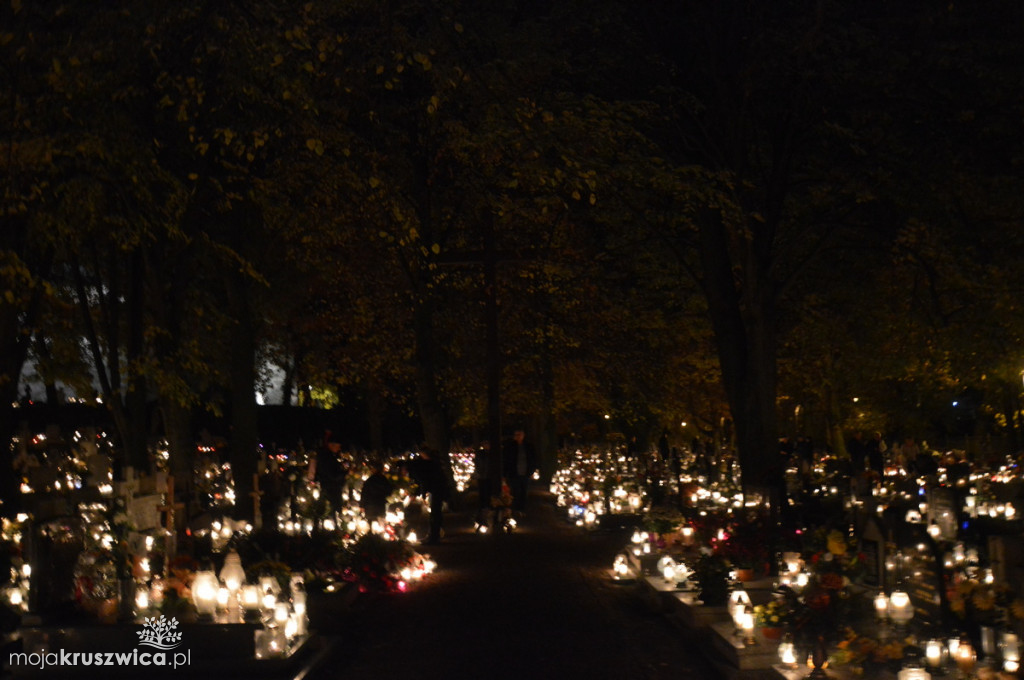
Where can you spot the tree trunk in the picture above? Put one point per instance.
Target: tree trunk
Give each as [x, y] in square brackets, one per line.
[135, 399]
[181, 441]
[244, 442]
[375, 416]
[743, 319]
[435, 426]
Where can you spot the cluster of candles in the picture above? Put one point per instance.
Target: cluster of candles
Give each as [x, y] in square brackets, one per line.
[959, 651]
[791, 572]
[228, 598]
[463, 468]
[895, 607]
[741, 609]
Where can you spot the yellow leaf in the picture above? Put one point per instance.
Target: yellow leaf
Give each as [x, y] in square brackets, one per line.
[458, 27]
[436, 249]
[374, 182]
[286, 95]
[311, 143]
[576, 195]
[278, 60]
[380, 69]
[593, 199]
[308, 67]
[193, 176]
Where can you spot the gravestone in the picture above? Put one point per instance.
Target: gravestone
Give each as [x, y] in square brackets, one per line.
[1006, 554]
[942, 512]
[872, 546]
[922, 578]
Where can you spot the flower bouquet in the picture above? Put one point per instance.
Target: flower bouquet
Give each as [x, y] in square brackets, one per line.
[374, 563]
[773, 614]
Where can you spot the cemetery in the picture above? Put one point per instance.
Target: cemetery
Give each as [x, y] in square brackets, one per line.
[902, 575]
[102, 559]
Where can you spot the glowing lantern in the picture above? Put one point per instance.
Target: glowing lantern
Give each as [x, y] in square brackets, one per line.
[232, 573]
[204, 592]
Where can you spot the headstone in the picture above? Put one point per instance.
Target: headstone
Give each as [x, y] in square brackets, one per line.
[922, 579]
[144, 511]
[872, 546]
[1006, 553]
[942, 512]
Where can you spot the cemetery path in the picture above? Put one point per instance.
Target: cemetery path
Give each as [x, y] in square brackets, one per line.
[538, 603]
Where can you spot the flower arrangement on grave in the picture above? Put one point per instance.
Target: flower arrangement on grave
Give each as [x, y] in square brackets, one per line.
[975, 603]
[866, 654]
[95, 579]
[280, 571]
[663, 519]
[821, 609]
[119, 527]
[772, 614]
[747, 542]
[375, 563]
[837, 554]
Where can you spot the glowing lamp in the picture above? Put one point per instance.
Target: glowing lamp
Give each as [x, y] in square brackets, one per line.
[232, 573]
[787, 651]
[142, 599]
[738, 601]
[746, 621]
[913, 673]
[935, 653]
[801, 581]
[269, 583]
[250, 597]
[965, 657]
[901, 611]
[204, 592]
[1009, 646]
[881, 606]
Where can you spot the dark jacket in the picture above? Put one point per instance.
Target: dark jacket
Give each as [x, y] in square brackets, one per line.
[510, 458]
[429, 476]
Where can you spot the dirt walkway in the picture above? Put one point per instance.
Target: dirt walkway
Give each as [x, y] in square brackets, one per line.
[534, 604]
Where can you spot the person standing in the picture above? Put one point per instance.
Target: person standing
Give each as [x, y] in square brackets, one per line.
[373, 498]
[328, 470]
[519, 460]
[482, 472]
[429, 474]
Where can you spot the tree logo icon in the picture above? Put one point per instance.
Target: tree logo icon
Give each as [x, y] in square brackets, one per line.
[159, 633]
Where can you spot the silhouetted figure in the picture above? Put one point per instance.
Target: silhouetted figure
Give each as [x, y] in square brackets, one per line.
[427, 471]
[519, 460]
[858, 453]
[876, 453]
[373, 498]
[482, 471]
[329, 471]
